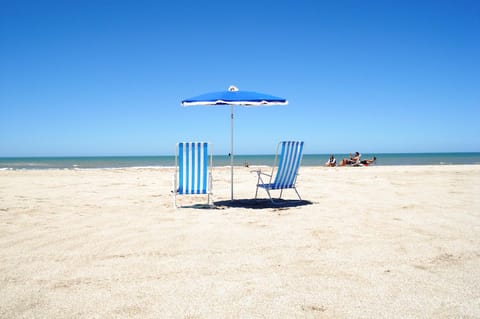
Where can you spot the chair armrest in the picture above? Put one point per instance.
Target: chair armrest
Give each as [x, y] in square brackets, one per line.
[259, 172]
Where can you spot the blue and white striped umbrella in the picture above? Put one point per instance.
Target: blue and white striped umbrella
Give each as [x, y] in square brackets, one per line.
[234, 97]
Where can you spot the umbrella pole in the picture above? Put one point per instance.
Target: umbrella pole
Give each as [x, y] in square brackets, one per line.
[231, 152]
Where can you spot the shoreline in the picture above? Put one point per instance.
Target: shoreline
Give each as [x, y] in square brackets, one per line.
[4, 169]
[309, 160]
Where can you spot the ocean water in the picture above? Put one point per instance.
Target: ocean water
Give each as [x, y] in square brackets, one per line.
[8, 163]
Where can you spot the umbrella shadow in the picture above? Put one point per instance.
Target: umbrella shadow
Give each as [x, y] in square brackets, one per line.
[262, 203]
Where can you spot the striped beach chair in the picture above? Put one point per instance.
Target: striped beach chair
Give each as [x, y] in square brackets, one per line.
[193, 176]
[288, 159]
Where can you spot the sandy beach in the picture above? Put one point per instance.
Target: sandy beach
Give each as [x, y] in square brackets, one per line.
[375, 242]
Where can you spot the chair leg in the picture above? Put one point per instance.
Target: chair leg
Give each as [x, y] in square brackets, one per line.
[258, 181]
[297, 193]
[210, 183]
[280, 197]
[269, 196]
[175, 200]
[175, 191]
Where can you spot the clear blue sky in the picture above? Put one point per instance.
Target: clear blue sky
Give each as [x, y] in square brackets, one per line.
[107, 77]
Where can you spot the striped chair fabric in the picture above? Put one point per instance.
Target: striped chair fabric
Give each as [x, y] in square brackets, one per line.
[192, 164]
[289, 163]
[289, 159]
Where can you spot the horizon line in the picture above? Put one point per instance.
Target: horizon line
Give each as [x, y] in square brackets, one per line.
[227, 155]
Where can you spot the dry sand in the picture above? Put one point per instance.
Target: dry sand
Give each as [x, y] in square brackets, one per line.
[376, 242]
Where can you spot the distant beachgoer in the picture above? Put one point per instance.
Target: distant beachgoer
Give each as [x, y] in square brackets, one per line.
[332, 162]
[368, 161]
[352, 160]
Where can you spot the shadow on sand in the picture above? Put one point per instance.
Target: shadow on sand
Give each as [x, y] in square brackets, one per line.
[262, 203]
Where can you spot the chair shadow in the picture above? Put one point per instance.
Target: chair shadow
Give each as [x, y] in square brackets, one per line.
[262, 203]
[199, 206]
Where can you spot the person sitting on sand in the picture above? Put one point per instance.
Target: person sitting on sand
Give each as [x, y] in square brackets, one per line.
[332, 162]
[352, 160]
[367, 162]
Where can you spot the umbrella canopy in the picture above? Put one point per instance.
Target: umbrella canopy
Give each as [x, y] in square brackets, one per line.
[234, 97]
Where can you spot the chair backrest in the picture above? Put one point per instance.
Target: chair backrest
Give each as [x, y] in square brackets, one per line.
[192, 164]
[289, 159]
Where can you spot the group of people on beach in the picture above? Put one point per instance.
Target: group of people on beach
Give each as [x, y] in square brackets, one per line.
[353, 160]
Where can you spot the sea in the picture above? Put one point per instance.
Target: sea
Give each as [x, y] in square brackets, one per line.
[115, 162]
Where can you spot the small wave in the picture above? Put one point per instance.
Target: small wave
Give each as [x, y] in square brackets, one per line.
[445, 163]
[26, 164]
[123, 168]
